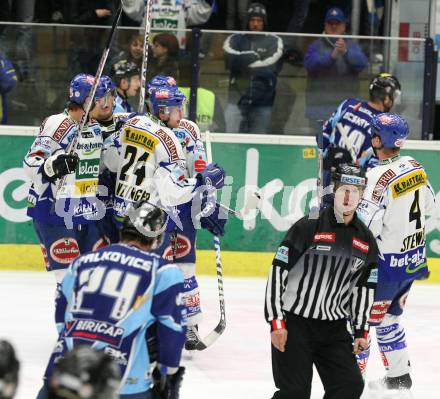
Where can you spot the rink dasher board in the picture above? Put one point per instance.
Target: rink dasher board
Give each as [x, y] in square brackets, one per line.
[237, 138]
[290, 161]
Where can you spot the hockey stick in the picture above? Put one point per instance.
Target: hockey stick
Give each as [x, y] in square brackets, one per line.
[218, 330]
[89, 99]
[145, 56]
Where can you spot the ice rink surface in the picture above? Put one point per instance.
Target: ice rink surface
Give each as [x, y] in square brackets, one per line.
[238, 365]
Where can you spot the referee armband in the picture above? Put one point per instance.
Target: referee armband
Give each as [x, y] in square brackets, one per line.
[277, 325]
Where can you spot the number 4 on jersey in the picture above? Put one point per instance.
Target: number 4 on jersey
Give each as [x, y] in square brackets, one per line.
[414, 212]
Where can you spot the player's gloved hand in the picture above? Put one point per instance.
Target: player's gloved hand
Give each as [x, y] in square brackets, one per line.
[167, 386]
[335, 157]
[212, 176]
[215, 222]
[59, 165]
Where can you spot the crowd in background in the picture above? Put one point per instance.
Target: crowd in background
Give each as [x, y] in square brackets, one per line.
[251, 89]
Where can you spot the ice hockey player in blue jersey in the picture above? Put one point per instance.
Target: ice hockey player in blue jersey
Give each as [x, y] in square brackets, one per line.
[110, 297]
[66, 226]
[126, 75]
[180, 245]
[346, 135]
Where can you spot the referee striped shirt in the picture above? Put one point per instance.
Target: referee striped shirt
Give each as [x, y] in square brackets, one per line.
[324, 270]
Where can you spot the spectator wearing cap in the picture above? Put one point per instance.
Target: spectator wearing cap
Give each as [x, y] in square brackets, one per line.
[254, 63]
[127, 78]
[333, 64]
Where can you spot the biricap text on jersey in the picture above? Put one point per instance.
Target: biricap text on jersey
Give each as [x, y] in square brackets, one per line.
[109, 298]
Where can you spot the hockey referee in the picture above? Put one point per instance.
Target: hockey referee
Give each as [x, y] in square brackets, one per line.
[323, 274]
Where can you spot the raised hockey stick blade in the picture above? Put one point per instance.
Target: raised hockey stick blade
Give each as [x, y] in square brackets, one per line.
[218, 330]
[89, 101]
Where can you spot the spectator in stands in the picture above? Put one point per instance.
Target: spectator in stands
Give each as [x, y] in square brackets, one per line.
[8, 81]
[89, 12]
[164, 60]
[300, 12]
[253, 61]
[236, 10]
[333, 65]
[88, 43]
[133, 53]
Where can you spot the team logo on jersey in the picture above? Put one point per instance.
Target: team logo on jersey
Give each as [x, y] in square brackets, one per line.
[119, 357]
[188, 126]
[62, 129]
[84, 188]
[408, 183]
[282, 254]
[382, 184]
[87, 169]
[183, 248]
[360, 245]
[64, 250]
[95, 330]
[140, 138]
[325, 236]
[373, 277]
[169, 144]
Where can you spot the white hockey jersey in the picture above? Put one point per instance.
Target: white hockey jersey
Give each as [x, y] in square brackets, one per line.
[80, 188]
[150, 165]
[395, 204]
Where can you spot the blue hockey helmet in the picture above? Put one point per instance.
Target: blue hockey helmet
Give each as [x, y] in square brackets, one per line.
[164, 98]
[392, 129]
[106, 85]
[159, 81]
[80, 87]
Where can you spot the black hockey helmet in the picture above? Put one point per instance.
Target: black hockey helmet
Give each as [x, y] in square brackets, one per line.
[349, 174]
[257, 10]
[123, 70]
[9, 367]
[383, 85]
[85, 373]
[146, 223]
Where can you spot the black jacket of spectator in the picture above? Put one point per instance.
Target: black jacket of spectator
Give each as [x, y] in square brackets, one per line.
[82, 12]
[253, 60]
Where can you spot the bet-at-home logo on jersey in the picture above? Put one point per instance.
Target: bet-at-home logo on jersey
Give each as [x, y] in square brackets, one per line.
[87, 169]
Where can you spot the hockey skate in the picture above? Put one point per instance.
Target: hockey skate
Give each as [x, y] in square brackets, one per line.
[392, 387]
[192, 338]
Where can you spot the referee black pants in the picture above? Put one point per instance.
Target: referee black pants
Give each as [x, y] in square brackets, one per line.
[325, 344]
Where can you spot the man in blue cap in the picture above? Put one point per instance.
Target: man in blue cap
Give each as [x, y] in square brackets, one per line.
[333, 65]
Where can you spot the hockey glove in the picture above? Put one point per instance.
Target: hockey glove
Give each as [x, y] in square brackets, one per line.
[212, 176]
[336, 156]
[59, 165]
[215, 222]
[167, 386]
